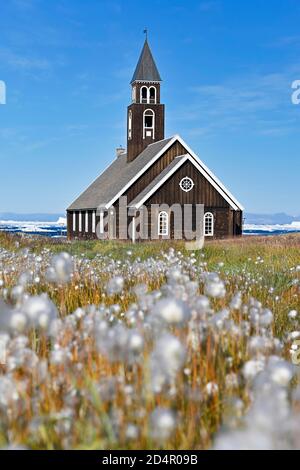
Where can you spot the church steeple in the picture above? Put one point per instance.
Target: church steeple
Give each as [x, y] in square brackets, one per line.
[145, 119]
[146, 69]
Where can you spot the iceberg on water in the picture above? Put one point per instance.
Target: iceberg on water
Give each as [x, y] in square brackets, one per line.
[59, 228]
[62, 221]
[293, 227]
[51, 229]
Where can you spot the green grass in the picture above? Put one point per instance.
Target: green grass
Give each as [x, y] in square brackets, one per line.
[279, 255]
[239, 262]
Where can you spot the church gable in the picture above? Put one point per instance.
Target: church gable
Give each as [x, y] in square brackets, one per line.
[202, 191]
[174, 150]
[177, 147]
[180, 183]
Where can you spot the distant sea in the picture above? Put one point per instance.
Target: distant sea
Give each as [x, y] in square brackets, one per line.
[59, 229]
[47, 229]
[275, 229]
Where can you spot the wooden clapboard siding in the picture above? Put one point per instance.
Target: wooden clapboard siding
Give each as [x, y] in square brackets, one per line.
[76, 234]
[227, 222]
[70, 231]
[138, 143]
[174, 151]
[237, 217]
[222, 227]
[202, 193]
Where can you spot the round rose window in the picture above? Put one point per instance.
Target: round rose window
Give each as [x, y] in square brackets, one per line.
[186, 184]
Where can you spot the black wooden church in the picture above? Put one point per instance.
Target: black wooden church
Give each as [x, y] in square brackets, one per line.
[153, 171]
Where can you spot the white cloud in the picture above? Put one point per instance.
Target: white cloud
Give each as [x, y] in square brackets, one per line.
[245, 102]
[24, 62]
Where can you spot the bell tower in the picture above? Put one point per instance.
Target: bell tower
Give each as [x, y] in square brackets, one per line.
[145, 115]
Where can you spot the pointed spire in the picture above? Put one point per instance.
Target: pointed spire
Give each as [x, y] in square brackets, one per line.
[146, 69]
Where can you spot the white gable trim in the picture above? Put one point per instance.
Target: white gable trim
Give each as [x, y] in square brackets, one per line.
[141, 172]
[216, 183]
[171, 172]
[212, 178]
[220, 191]
[162, 181]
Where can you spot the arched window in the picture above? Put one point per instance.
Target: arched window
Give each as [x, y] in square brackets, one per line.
[144, 95]
[152, 95]
[130, 125]
[148, 128]
[163, 224]
[209, 224]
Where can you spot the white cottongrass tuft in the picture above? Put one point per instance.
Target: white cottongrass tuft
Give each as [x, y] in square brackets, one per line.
[281, 373]
[167, 360]
[214, 286]
[293, 314]
[163, 424]
[236, 301]
[115, 285]
[40, 311]
[211, 389]
[8, 392]
[172, 311]
[61, 269]
[252, 368]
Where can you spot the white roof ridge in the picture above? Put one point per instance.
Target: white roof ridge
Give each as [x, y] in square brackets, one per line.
[157, 142]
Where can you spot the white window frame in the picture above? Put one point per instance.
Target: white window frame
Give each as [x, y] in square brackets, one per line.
[182, 181]
[163, 232]
[101, 225]
[141, 95]
[133, 96]
[152, 129]
[86, 222]
[133, 229]
[80, 222]
[129, 125]
[149, 95]
[94, 222]
[74, 221]
[209, 215]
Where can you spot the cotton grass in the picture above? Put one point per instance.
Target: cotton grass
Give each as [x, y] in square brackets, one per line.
[129, 349]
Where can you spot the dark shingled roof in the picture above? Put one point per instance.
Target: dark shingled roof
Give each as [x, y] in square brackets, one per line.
[114, 178]
[146, 69]
[156, 181]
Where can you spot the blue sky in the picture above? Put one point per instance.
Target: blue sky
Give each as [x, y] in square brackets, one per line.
[227, 67]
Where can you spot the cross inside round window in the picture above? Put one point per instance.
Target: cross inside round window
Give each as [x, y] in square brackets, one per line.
[186, 184]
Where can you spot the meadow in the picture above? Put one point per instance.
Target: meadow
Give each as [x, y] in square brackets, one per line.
[107, 345]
